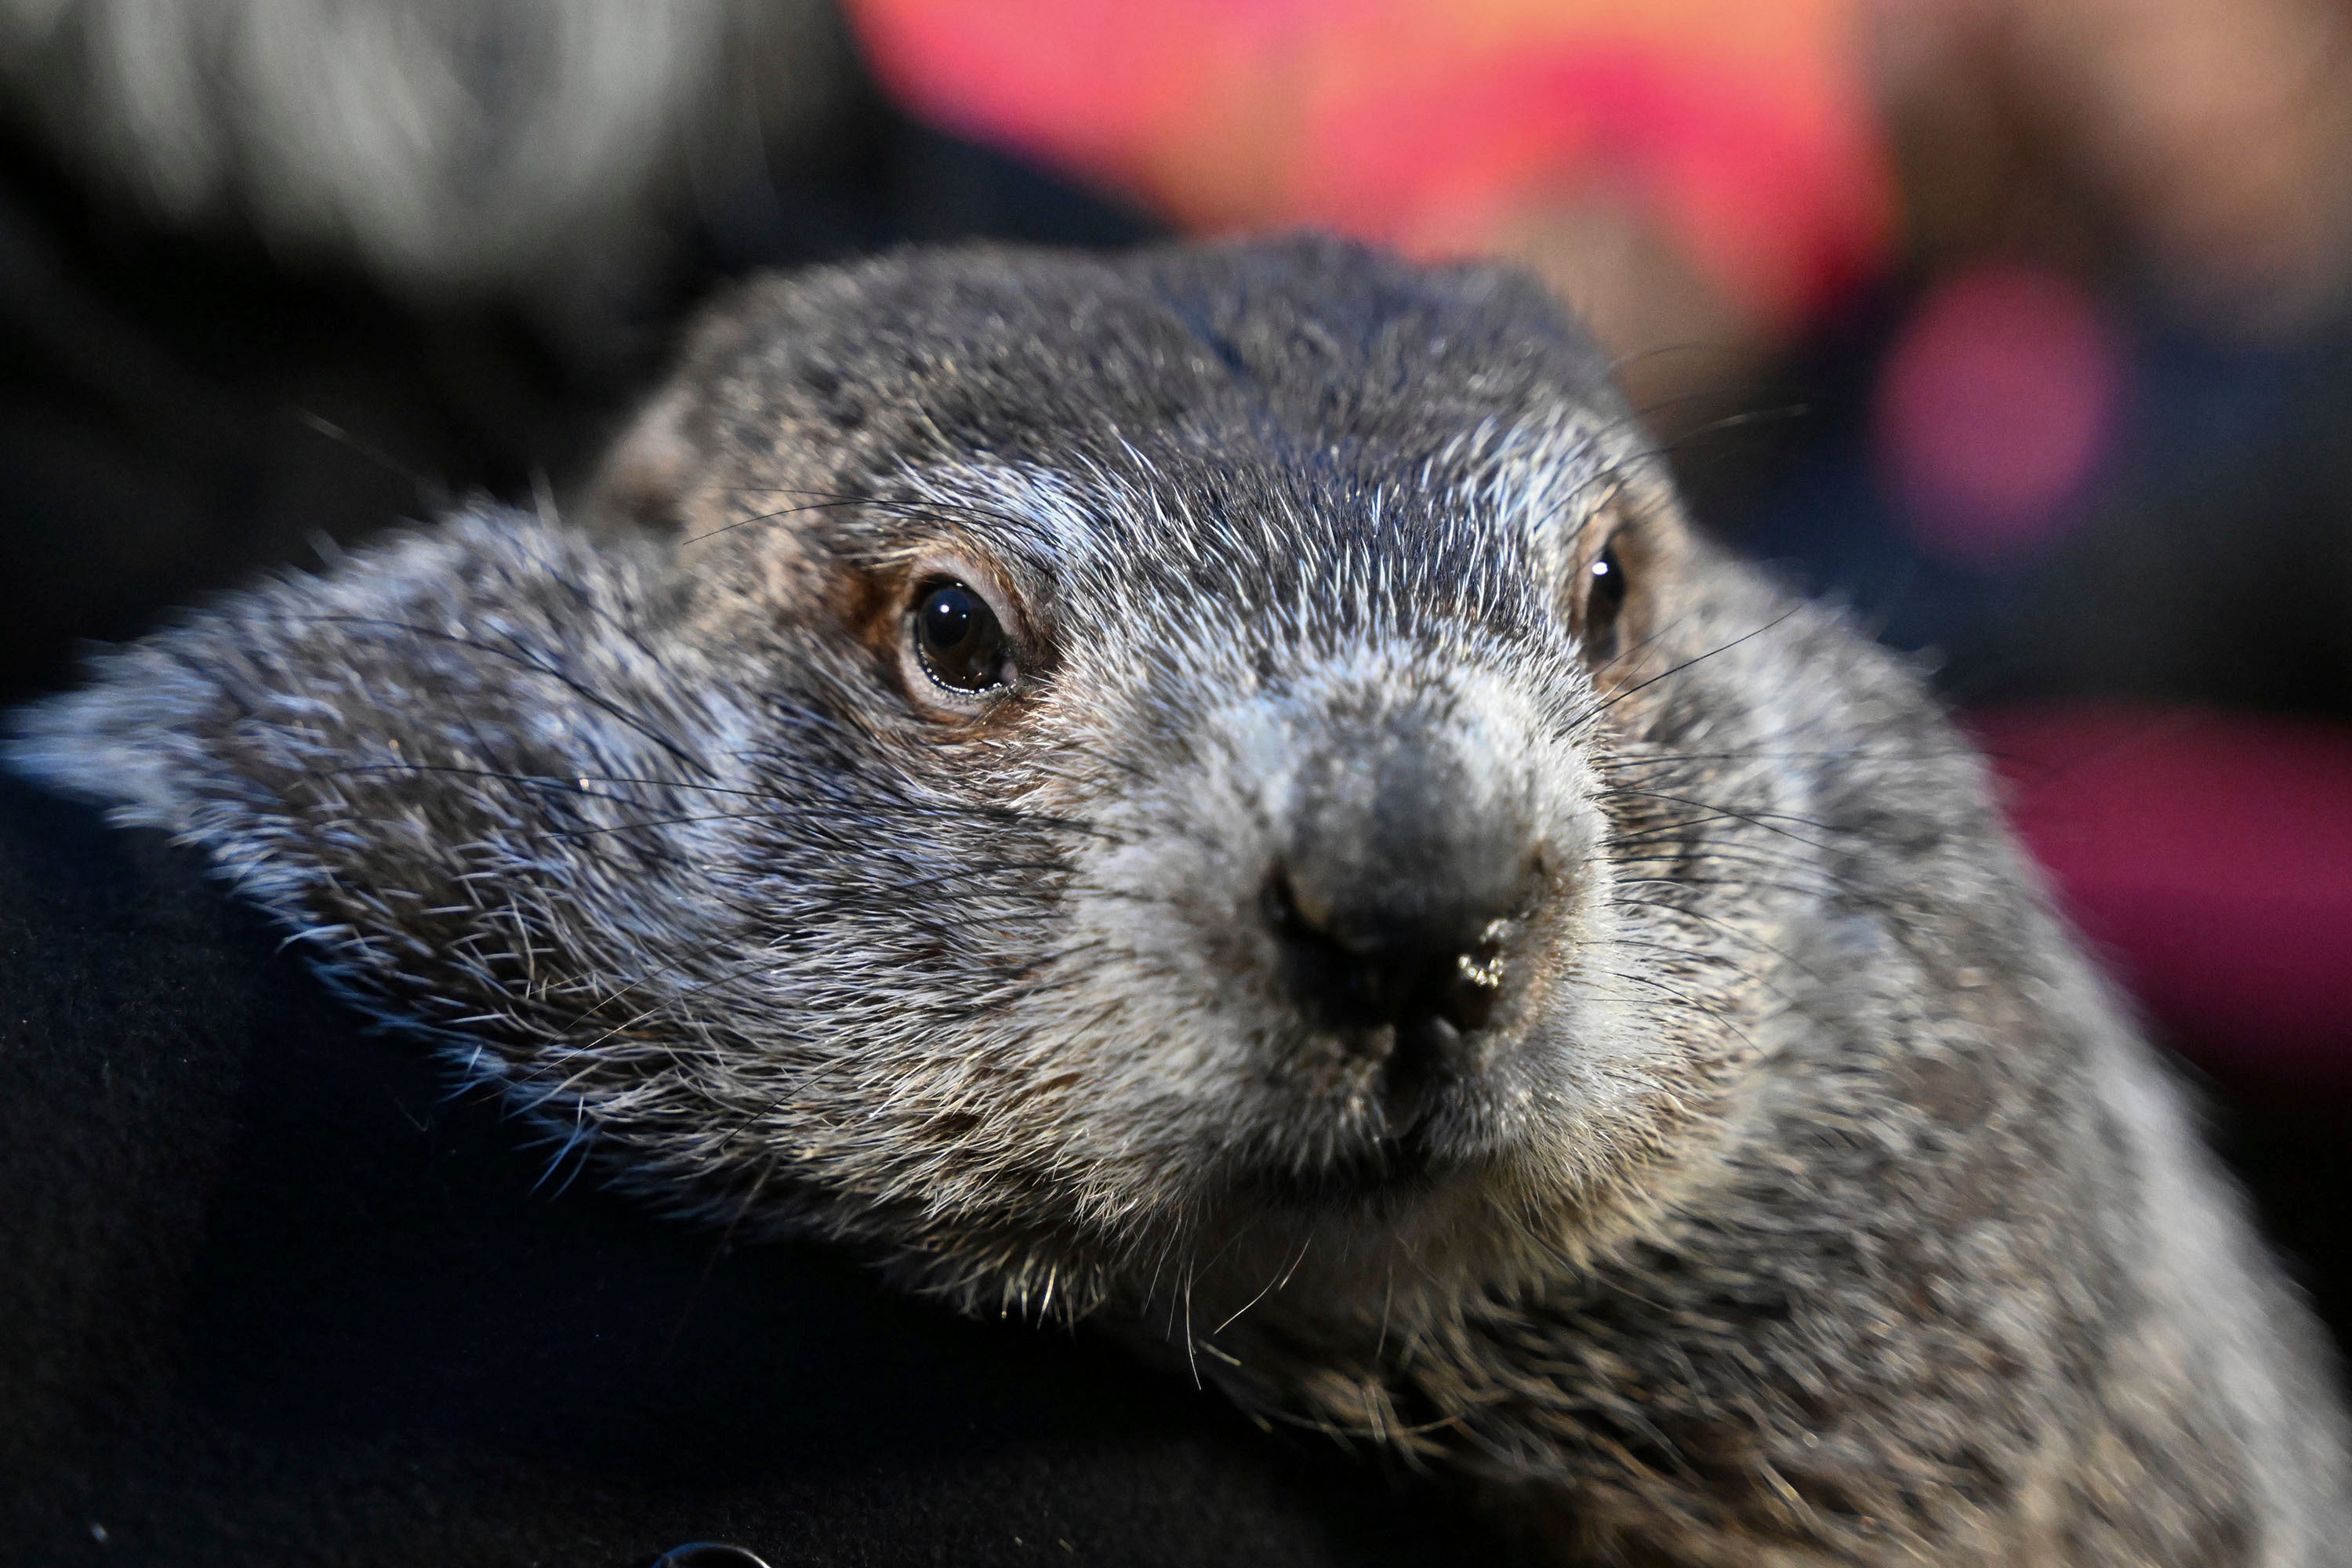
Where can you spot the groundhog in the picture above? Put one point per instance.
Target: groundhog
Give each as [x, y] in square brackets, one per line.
[1212, 791]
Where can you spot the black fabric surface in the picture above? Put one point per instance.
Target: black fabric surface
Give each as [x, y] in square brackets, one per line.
[268, 1295]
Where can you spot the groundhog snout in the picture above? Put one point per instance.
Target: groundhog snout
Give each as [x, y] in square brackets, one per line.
[1403, 864]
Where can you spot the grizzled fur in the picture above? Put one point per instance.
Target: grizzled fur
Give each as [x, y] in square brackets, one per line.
[1806, 1197]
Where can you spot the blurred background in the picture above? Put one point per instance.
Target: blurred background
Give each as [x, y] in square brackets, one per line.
[2024, 327]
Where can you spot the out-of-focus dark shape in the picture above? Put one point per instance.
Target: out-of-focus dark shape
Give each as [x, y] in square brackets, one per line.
[217, 354]
[2207, 558]
[541, 153]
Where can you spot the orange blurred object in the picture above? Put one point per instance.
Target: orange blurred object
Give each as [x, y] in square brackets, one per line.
[1740, 130]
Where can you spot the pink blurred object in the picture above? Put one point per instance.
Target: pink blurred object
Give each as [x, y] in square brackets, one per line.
[2209, 855]
[1996, 408]
[1742, 131]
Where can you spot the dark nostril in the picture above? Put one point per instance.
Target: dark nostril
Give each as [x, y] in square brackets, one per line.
[1355, 973]
[1468, 997]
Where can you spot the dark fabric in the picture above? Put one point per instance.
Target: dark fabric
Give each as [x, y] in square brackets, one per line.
[268, 1295]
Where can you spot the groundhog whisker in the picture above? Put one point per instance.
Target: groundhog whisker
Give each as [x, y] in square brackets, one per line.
[1713, 1014]
[1767, 820]
[803, 913]
[1009, 816]
[1746, 938]
[586, 694]
[925, 508]
[1799, 879]
[823, 502]
[1816, 890]
[779, 514]
[1620, 694]
[999, 816]
[1702, 759]
[570, 785]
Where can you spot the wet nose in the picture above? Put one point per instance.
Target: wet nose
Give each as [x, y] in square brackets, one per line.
[1399, 864]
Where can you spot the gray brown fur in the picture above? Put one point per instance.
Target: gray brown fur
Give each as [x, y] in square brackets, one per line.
[1810, 1199]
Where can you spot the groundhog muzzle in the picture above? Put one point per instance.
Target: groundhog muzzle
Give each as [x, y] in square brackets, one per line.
[1212, 791]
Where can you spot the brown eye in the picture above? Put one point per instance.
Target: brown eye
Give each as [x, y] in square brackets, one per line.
[959, 639]
[1605, 598]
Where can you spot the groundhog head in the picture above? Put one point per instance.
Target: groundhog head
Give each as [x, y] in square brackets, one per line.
[1079, 771]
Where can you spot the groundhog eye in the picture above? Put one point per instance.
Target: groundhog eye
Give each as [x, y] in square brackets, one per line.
[1605, 598]
[963, 644]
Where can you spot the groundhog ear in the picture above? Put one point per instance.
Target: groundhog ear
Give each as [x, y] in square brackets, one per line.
[423, 695]
[644, 477]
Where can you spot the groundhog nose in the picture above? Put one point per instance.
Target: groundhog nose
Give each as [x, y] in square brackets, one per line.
[1389, 901]
[1425, 977]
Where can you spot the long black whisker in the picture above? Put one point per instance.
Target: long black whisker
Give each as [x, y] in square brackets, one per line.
[586, 694]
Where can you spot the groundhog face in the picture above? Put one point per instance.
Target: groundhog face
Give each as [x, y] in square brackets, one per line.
[1049, 765]
[1201, 849]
